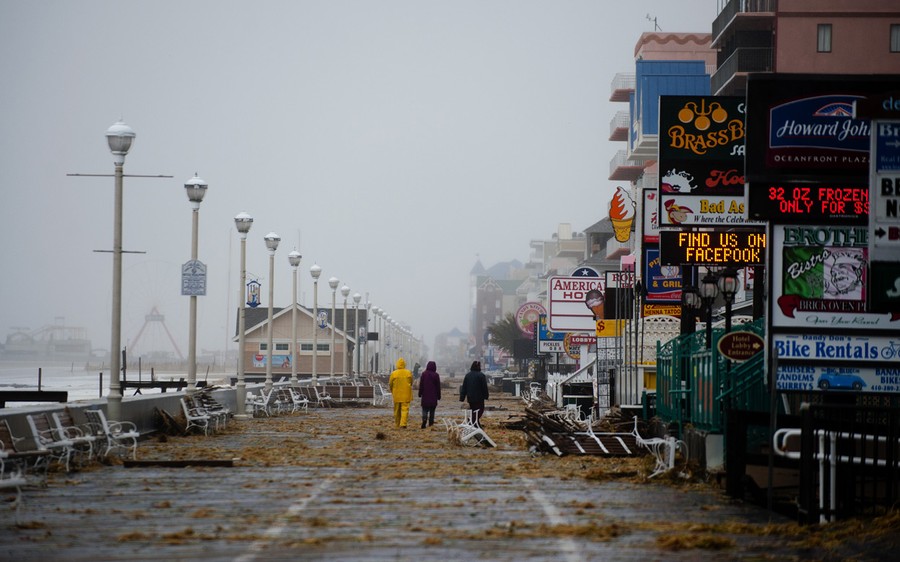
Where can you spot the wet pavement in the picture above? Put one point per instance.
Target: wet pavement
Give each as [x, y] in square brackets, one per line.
[343, 484]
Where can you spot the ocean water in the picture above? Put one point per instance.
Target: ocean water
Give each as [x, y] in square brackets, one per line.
[81, 381]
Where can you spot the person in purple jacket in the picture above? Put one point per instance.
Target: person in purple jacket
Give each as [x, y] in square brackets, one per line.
[429, 392]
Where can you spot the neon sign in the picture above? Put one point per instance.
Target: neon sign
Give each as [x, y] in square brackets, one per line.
[806, 203]
[736, 248]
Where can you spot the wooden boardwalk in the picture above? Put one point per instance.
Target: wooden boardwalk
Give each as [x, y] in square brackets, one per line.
[343, 484]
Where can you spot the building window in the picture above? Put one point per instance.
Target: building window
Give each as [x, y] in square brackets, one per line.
[282, 347]
[895, 38]
[824, 41]
[263, 346]
[308, 347]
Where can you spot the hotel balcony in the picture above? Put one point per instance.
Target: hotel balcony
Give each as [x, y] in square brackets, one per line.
[622, 168]
[622, 86]
[731, 77]
[618, 127]
[743, 15]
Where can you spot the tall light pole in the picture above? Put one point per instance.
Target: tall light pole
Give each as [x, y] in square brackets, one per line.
[272, 241]
[389, 359]
[366, 349]
[375, 311]
[294, 259]
[379, 343]
[333, 283]
[119, 137]
[243, 222]
[345, 290]
[315, 271]
[196, 190]
[356, 298]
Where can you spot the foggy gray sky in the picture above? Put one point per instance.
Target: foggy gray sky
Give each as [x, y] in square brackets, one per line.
[392, 142]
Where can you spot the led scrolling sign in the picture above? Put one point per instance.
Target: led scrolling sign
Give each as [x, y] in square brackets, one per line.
[793, 203]
[736, 248]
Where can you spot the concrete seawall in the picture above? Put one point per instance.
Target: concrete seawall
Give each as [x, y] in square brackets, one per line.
[136, 409]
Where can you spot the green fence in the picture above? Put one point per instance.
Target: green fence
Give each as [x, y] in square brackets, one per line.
[694, 384]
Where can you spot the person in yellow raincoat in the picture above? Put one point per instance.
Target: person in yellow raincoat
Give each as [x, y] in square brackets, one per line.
[400, 384]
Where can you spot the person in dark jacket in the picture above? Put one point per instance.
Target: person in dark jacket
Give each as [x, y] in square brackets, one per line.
[429, 392]
[475, 389]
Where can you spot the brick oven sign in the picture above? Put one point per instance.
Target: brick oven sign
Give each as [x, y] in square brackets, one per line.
[740, 346]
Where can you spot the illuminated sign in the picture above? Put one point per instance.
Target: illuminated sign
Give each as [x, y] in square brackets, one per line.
[809, 203]
[737, 248]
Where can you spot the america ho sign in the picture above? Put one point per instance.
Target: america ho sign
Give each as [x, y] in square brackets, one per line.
[567, 311]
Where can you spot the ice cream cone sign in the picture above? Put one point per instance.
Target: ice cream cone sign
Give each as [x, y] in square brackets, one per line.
[594, 300]
[621, 214]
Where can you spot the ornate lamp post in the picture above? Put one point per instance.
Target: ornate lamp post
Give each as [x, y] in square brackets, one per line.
[272, 241]
[690, 301]
[366, 348]
[195, 189]
[119, 138]
[333, 283]
[727, 285]
[315, 271]
[708, 293]
[243, 222]
[294, 259]
[345, 291]
[356, 298]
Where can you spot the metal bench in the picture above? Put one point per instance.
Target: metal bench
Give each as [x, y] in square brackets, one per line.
[45, 439]
[194, 416]
[113, 435]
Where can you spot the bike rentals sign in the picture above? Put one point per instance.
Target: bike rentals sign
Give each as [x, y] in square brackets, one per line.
[835, 362]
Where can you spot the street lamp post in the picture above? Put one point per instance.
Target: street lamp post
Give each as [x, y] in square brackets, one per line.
[243, 222]
[690, 301]
[294, 259]
[119, 138]
[345, 291]
[333, 283]
[356, 298]
[196, 190]
[376, 312]
[727, 285]
[389, 343]
[594, 300]
[272, 241]
[708, 293]
[315, 271]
